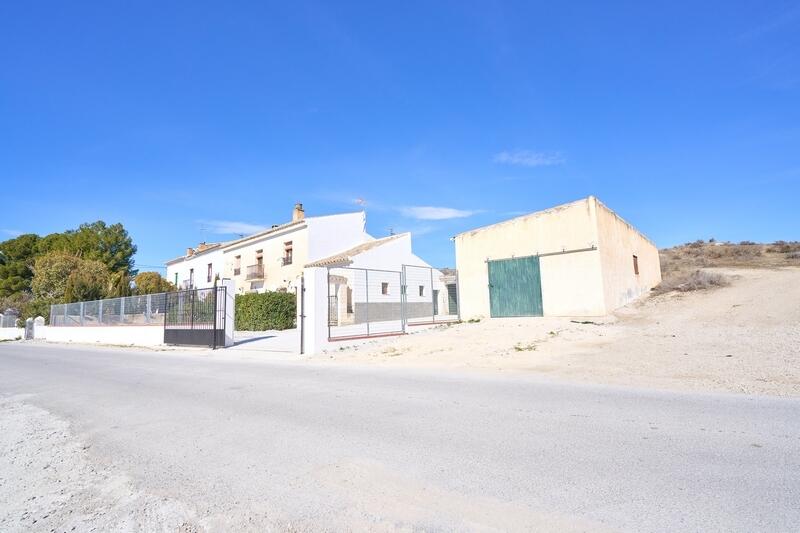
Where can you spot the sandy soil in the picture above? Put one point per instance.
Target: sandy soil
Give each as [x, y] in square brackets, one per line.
[49, 483]
[741, 338]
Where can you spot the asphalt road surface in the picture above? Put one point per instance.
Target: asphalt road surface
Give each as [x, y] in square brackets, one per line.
[308, 446]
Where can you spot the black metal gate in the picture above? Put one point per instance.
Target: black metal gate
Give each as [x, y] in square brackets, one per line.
[195, 317]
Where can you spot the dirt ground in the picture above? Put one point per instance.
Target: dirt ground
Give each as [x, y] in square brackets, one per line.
[48, 482]
[741, 338]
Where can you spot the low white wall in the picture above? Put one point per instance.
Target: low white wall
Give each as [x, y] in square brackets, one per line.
[11, 333]
[120, 335]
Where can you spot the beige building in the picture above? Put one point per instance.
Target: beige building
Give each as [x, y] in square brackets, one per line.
[576, 259]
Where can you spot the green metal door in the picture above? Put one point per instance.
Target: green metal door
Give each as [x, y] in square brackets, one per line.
[515, 287]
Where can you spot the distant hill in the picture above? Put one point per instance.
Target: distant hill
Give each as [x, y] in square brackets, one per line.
[682, 266]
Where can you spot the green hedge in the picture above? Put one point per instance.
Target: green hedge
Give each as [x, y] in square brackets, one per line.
[270, 310]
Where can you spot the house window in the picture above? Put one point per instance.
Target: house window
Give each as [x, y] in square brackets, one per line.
[636, 265]
[208, 273]
[176, 279]
[191, 278]
[237, 265]
[287, 253]
[384, 288]
[422, 290]
[259, 257]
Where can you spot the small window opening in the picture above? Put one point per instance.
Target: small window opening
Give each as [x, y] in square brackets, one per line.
[208, 274]
[636, 265]
[422, 290]
[384, 288]
[287, 253]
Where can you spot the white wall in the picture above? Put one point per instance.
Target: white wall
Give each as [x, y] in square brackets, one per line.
[11, 333]
[328, 235]
[200, 265]
[115, 335]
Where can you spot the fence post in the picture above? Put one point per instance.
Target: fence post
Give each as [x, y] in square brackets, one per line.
[122, 310]
[214, 329]
[458, 298]
[148, 309]
[81, 313]
[403, 298]
[433, 299]
[66, 310]
[366, 308]
[100, 313]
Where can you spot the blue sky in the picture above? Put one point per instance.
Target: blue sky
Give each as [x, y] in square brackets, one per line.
[185, 120]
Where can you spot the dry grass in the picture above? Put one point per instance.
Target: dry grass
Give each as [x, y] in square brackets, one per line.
[682, 266]
[693, 281]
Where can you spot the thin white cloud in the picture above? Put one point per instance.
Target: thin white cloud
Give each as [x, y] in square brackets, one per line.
[435, 213]
[231, 227]
[12, 232]
[529, 158]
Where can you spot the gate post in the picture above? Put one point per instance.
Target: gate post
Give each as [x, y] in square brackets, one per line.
[433, 299]
[366, 307]
[147, 309]
[214, 322]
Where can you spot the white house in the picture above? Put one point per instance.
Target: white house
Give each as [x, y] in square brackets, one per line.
[198, 268]
[365, 284]
[270, 260]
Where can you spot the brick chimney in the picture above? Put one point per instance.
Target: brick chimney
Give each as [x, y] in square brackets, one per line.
[298, 213]
[189, 252]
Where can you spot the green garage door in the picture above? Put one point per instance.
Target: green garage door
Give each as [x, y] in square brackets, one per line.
[515, 287]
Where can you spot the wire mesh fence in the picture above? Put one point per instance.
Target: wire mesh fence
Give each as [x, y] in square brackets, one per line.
[146, 309]
[430, 295]
[370, 302]
[8, 320]
[364, 303]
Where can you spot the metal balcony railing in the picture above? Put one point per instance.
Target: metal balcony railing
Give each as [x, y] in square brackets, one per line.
[255, 272]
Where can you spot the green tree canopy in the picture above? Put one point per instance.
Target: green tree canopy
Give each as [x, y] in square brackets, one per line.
[90, 281]
[16, 258]
[151, 283]
[51, 272]
[110, 244]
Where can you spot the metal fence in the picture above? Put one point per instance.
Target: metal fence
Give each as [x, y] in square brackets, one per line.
[147, 309]
[196, 317]
[8, 320]
[371, 302]
[430, 295]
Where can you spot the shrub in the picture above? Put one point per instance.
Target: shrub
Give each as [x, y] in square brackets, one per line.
[269, 310]
[694, 281]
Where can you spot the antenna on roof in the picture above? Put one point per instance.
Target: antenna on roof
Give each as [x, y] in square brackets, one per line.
[203, 230]
[391, 231]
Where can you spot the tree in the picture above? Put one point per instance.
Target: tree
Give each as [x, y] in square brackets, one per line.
[151, 283]
[90, 281]
[16, 258]
[110, 244]
[119, 285]
[51, 272]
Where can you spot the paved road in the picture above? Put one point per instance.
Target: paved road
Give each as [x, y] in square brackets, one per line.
[313, 446]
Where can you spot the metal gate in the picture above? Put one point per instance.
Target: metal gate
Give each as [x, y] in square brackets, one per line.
[195, 317]
[515, 287]
[373, 303]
